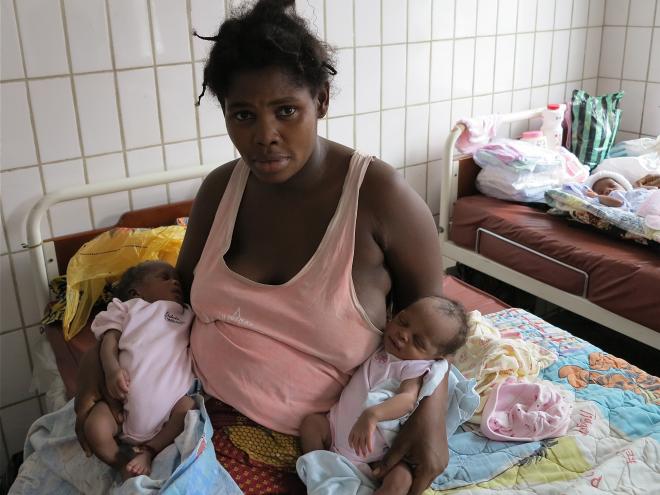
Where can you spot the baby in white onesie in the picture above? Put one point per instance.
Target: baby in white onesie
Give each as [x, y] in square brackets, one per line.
[419, 335]
[144, 351]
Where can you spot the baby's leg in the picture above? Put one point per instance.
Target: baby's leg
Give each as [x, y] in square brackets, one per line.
[141, 463]
[101, 430]
[397, 482]
[315, 433]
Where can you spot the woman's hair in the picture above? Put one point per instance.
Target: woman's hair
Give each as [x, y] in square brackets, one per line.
[132, 277]
[269, 34]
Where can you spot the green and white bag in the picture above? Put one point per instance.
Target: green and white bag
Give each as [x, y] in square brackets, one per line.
[594, 123]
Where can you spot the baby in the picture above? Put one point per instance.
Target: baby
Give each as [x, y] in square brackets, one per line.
[144, 337]
[611, 189]
[427, 330]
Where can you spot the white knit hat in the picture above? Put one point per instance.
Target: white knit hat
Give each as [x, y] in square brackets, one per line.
[616, 177]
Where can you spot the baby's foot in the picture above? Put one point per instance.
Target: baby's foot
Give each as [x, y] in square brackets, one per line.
[141, 463]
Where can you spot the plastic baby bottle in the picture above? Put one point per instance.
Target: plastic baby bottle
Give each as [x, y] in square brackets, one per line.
[553, 116]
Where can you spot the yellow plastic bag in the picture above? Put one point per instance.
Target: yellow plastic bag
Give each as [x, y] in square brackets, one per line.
[105, 258]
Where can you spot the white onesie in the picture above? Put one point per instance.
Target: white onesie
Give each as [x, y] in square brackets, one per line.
[154, 350]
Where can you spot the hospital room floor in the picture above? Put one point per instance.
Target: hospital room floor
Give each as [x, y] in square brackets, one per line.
[634, 352]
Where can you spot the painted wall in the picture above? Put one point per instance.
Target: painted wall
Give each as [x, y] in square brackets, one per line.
[99, 89]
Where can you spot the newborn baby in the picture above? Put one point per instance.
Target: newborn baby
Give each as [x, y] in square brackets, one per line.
[610, 189]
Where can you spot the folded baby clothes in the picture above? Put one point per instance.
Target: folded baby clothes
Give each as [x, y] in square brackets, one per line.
[478, 132]
[490, 359]
[526, 411]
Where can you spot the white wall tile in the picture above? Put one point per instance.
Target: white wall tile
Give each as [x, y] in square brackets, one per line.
[367, 79]
[419, 21]
[312, 11]
[131, 38]
[209, 111]
[466, 18]
[589, 86]
[641, 13]
[596, 12]
[539, 97]
[522, 76]
[570, 86]
[417, 129]
[545, 15]
[654, 69]
[217, 150]
[439, 127]
[577, 50]
[97, 111]
[563, 13]
[107, 208]
[520, 101]
[170, 29]
[394, 21]
[556, 93]
[580, 13]
[482, 105]
[54, 118]
[367, 17]
[461, 109]
[651, 118]
[16, 129]
[139, 110]
[181, 155]
[463, 68]
[89, 42]
[484, 65]
[657, 17]
[636, 57]
[24, 269]
[434, 177]
[339, 23]
[542, 57]
[441, 63]
[206, 16]
[632, 105]
[526, 16]
[502, 104]
[504, 56]
[15, 422]
[611, 52]
[608, 85]
[177, 103]
[42, 34]
[392, 137]
[486, 17]
[340, 129]
[616, 12]
[394, 76]
[558, 66]
[416, 178]
[367, 133]
[507, 11]
[443, 19]
[146, 161]
[3, 241]
[11, 316]
[592, 52]
[21, 189]
[70, 216]
[418, 76]
[10, 51]
[15, 372]
[343, 102]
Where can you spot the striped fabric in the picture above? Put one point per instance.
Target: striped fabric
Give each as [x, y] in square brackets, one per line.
[595, 121]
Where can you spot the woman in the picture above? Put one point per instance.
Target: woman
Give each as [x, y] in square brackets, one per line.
[291, 254]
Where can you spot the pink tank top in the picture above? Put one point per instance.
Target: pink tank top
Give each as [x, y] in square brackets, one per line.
[277, 353]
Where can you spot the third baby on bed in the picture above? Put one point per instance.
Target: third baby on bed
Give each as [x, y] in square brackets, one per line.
[388, 387]
[145, 336]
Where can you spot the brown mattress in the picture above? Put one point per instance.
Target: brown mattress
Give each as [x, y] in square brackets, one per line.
[623, 277]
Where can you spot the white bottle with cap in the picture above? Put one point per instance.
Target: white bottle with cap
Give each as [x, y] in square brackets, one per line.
[553, 116]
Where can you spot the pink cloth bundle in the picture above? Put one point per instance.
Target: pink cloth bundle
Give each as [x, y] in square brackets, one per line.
[650, 210]
[521, 411]
[478, 132]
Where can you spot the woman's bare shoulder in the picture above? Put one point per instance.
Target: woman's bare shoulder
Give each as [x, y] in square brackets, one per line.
[214, 185]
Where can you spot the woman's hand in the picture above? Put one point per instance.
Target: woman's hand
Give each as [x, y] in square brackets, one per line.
[649, 181]
[90, 390]
[117, 383]
[422, 442]
[361, 437]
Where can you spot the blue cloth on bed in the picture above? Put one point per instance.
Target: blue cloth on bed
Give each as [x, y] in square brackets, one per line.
[55, 463]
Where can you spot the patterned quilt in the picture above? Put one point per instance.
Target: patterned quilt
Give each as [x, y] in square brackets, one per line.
[613, 443]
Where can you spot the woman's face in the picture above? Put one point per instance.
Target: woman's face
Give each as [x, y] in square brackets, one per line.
[272, 122]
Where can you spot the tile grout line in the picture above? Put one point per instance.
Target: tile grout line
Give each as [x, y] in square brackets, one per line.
[648, 68]
[198, 125]
[405, 96]
[354, 80]
[428, 117]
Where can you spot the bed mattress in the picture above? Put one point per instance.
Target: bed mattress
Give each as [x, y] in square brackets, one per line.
[619, 276]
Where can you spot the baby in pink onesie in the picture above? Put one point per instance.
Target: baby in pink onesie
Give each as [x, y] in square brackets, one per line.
[145, 336]
[424, 332]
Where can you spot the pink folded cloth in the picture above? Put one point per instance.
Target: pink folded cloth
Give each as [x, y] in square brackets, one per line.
[524, 411]
[478, 132]
[650, 210]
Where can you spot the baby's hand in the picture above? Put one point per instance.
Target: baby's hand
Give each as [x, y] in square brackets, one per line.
[609, 201]
[118, 383]
[360, 438]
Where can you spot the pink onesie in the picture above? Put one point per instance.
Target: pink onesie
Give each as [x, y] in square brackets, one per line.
[381, 370]
[153, 349]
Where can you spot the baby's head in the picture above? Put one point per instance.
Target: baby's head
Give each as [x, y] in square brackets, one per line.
[430, 328]
[606, 186]
[152, 281]
[605, 182]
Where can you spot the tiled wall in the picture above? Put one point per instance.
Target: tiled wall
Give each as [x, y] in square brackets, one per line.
[98, 89]
[630, 60]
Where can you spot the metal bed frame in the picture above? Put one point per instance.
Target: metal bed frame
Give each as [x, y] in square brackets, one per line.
[452, 253]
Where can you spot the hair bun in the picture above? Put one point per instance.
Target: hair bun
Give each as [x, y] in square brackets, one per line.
[265, 7]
